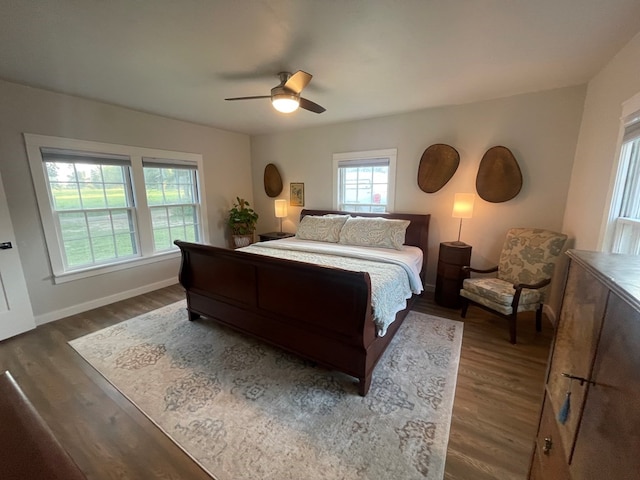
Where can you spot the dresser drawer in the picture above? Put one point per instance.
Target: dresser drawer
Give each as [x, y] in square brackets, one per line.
[549, 461]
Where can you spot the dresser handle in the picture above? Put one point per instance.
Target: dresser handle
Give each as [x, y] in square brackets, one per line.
[582, 380]
[546, 448]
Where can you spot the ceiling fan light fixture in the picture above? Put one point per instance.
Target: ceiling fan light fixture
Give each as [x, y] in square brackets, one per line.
[285, 102]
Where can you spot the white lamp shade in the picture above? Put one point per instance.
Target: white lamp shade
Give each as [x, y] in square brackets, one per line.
[281, 208]
[463, 205]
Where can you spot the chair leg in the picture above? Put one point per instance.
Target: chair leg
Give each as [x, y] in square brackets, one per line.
[465, 306]
[512, 328]
[539, 319]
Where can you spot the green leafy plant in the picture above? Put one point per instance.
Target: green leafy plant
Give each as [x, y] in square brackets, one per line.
[242, 219]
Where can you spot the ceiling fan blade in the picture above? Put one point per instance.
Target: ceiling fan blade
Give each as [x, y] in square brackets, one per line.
[298, 81]
[311, 106]
[248, 98]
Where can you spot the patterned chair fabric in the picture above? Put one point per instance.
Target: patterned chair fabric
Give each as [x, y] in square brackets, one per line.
[528, 256]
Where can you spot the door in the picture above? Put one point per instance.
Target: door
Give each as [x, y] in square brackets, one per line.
[16, 315]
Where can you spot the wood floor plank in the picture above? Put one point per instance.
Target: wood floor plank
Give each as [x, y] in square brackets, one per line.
[495, 412]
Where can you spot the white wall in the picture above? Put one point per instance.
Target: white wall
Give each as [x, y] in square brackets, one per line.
[596, 153]
[541, 129]
[227, 172]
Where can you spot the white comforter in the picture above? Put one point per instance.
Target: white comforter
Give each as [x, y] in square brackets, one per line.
[395, 274]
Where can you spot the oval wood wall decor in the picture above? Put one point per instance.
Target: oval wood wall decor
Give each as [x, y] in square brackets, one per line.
[272, 180]
[438, 164]
[499, 177]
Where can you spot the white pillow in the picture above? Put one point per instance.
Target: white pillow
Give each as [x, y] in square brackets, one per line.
[374, 232]
[321, 228]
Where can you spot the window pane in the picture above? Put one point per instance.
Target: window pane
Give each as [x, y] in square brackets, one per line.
[364, 194]
[351, 175]
[379, 194]
[159, 217]
[125, 244]
[381, 174]
[88, 172]
[166, 186]
[112, 174]
[191, 233]
[161, 239]
[350, 195]
[155, 196]
[65, 196]
[365, 174]
[122, 221]
[190, 215]
[103, 248]
[176, 216]
[99, 223]
[116, 195]
[73, 226]
[78, 252]
[171, 193]
[92, 195]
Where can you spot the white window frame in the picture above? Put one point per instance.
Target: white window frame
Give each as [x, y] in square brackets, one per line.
[361, 158]
[613, 225]
[35, 142]
[172, 163]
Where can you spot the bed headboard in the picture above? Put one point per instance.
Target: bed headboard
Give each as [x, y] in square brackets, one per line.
[417, 231]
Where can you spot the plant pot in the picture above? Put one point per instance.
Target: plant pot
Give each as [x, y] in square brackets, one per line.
[242, 240]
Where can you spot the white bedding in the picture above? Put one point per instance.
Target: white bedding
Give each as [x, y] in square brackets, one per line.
[395, 274]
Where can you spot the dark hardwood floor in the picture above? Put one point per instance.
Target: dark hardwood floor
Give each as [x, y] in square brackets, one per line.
[498, 394]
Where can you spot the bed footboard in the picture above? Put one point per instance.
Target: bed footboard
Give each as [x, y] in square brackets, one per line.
[320, 313]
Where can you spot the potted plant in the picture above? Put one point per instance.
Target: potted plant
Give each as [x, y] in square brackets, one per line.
[242, 222]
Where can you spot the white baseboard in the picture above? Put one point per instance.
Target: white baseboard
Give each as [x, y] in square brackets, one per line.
[99, 302]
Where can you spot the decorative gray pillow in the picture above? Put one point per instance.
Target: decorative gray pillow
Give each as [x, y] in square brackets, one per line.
[321, 228]
[374, 232]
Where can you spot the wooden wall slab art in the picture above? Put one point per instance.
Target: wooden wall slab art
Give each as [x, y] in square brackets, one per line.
[499, 177]
[272, 181]
[438, 164]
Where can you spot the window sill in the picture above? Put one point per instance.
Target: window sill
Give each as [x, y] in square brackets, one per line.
[74, 275]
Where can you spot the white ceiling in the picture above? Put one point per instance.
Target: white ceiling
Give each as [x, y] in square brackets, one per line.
[181, 58]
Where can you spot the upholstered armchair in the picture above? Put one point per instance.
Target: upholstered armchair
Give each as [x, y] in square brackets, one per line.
[524, 273]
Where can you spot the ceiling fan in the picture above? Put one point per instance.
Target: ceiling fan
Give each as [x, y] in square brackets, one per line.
[285, 97]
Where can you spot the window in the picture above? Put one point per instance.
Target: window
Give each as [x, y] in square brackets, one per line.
[172, 196]
[92, 204]
[364, 181]
[624, 224]
[106, 207]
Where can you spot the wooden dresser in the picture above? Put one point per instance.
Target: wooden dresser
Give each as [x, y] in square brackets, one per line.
[597, 341]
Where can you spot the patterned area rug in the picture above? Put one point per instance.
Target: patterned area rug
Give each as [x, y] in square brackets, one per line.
[245, 410]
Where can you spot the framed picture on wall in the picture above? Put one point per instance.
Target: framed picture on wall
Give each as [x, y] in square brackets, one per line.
[296, 195]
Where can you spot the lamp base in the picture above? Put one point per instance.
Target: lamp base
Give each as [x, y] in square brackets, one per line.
[458, 243]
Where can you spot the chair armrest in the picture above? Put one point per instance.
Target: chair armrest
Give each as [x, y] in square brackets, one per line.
[532, 286]
[478, 270]
[518, 288]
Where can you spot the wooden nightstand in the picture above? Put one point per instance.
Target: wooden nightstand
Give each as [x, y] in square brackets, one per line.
[453, 256]
[265, 237]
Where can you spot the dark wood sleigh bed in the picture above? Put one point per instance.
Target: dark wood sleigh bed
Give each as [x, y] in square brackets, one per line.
[320, 313]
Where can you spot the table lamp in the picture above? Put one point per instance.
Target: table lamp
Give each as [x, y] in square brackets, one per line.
[281, 210]
[462, 208]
